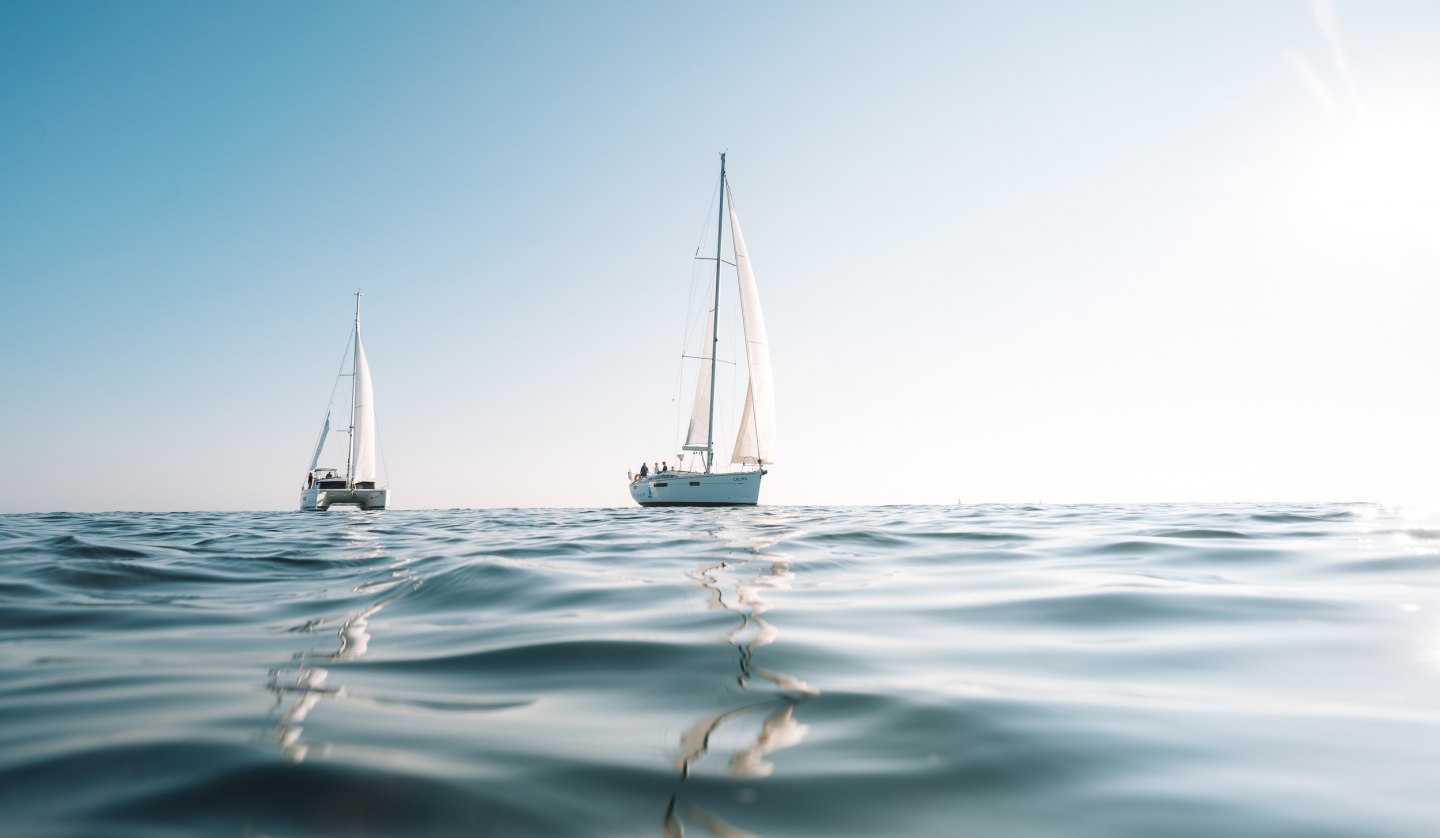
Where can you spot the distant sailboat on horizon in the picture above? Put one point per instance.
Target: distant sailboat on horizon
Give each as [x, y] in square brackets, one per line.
[325, 486]
[755, 441]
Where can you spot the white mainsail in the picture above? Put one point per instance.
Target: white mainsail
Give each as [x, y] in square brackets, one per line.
[363, 459]
[700, 413]
[756, 441]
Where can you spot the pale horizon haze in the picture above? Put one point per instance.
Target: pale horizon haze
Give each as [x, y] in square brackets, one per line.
[1009, 252]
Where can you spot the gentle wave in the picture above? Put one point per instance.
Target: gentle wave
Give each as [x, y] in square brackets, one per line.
[993, 670]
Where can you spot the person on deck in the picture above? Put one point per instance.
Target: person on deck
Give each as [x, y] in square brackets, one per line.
[644, 472]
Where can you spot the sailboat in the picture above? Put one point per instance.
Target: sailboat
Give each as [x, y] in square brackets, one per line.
[326, 486]
[755, 442]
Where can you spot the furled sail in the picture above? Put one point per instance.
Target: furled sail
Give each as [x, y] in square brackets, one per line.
[756, 441]
[363, 461]
[320, 443]
[695, 440]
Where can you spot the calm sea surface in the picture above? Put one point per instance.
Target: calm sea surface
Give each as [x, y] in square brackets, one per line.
[989, 671]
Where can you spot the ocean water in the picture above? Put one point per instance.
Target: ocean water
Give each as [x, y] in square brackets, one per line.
[1170, 670]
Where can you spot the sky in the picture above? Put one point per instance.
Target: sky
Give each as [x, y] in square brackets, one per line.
[1062, 252]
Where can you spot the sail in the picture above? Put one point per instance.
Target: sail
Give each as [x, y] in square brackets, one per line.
[363, 461]
[320, 443]
[756, 441]
[700, 414]
[745, 441]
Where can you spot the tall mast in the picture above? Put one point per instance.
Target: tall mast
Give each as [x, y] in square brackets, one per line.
[715, 324]
[350, 452]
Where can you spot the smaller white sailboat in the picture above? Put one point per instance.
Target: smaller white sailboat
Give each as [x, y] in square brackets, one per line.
[755, 441]
[327, 486]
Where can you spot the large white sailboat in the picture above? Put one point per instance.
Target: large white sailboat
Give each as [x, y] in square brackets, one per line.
[755, 442]
[327, 486]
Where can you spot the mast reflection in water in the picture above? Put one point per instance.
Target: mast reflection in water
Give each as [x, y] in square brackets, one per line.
[305, 684]
[777, 694]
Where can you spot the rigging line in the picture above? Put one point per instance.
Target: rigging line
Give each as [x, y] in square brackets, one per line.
[680, 362]
[687, 327]
[705, 223]
[380, 446]
[700, 240]
[699, 243]
[340, 371]
[655, 435]
[688, 324]
[675, 402]
[689, 303]
[339, 374]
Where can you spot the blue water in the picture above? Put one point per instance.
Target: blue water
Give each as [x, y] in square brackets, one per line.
[993, 670]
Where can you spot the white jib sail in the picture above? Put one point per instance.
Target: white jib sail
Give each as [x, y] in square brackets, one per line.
[756, 441]
[700, 413]
[320, 443]
[364, 456]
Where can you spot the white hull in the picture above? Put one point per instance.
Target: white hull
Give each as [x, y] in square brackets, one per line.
[316, 499]
[683, 488]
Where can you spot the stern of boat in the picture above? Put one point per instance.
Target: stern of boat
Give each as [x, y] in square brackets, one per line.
[316, 499]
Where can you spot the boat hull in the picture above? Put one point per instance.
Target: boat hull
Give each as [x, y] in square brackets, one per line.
[741, 488]
[318, 500]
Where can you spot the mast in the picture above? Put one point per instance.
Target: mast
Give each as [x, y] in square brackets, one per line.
[715, 325]
[350, 451]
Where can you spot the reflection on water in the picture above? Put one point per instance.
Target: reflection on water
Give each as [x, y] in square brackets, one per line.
[778, 694]
[780, 730]
[307, 689]
[355, 634]
[304, 684]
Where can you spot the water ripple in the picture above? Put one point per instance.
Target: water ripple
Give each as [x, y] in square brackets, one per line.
[995, 670]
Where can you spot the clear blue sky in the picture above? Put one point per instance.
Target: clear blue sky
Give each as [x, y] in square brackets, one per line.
[1115, 251]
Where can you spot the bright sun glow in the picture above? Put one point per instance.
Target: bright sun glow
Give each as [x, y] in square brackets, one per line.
[1375, 180]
